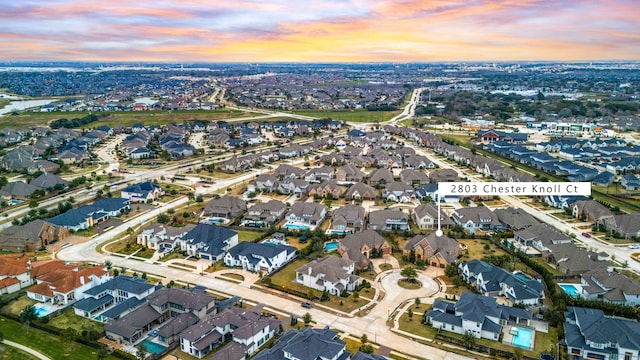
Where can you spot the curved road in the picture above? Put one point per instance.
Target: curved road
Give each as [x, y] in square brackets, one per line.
[26, 349]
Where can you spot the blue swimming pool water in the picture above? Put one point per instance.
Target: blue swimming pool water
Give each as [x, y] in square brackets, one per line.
[297, 226]
[337, 232]
[523, 339]
[569, 289]
[152, 347]
[215, 221]
[15, 202]
[521, 276]
[41, 311]
[330, 246]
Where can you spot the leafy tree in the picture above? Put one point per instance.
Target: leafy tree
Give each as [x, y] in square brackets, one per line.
[468, 339]
[417, 302]
[364, 339]
[163, 218]
[487, 247]
[141, 354]
[356, 296]
[410, 314]
[367, 348]
[102, 353]
[311, 294]
[28, 314]
[451, 270]
[410, 273]
[307, 318]
[33, 203]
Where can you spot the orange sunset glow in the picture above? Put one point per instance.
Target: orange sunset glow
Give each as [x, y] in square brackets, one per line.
[320, 31]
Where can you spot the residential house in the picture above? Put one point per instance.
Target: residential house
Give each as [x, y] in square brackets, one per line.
[630, 182]
[297, 187]
[478, 315]
[477, 218]
[627, 225]
[18, 190]
[591, 211]
[162, 237]
[419, 162]
[87, 216]
[142, 192]
[14, 274]
[428, 192]
[388, 220]
[265, 183]
[209, 241]
[414, 178]
[226, 208]
[600, 284]
[444, 175]
[572, 260]
[287, 171]
[307, 344]
[590, 334]
[361, 246]
[330, 273]
[264, 214]
[563, 202]
[259, 257]
[326, 189]
[108, 295]
[307, 213]
[316, 175]
[425, 216]
[349, 174]
[381, 176]
[347, 219]
[361, 191]
[433, 250]
[49, 182]
[491, 280]
[515, 218]
[399, 192]
[58, 283]
[159, 308]
[541, 236]
[31, 236]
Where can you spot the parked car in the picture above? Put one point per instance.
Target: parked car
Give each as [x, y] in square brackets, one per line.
[634, 247]
[306, 305]
[587, 235]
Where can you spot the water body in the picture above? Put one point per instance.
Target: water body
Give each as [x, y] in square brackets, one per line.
[145, 100]
[24, 104]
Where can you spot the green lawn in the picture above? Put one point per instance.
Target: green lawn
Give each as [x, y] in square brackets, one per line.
[11, 353]
[43, 342]
[78, 323]
[244, 235]
[124, 118]
[360, 115]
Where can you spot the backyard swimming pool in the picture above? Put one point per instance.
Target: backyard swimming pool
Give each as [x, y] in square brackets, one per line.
[522, 338]
[570, 289]
[297, 226]
[152, 347]
[41, 311]
[330, 246]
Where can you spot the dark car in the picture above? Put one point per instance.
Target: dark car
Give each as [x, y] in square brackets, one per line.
[587, 235]
[306, 305]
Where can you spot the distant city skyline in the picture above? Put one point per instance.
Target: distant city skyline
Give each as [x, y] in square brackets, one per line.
[319, 31]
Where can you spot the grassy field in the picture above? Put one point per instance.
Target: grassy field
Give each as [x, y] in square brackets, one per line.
[350, 115]
[47, 344]
[248, 235]
[11, 353]
[70, 319]
[124, 118]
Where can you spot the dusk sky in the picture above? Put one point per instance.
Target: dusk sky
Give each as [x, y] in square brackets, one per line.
[319, 31]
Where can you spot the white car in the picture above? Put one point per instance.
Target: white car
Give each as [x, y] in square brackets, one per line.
[634, 247]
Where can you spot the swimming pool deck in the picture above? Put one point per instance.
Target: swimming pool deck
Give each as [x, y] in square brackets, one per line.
[507, 337]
